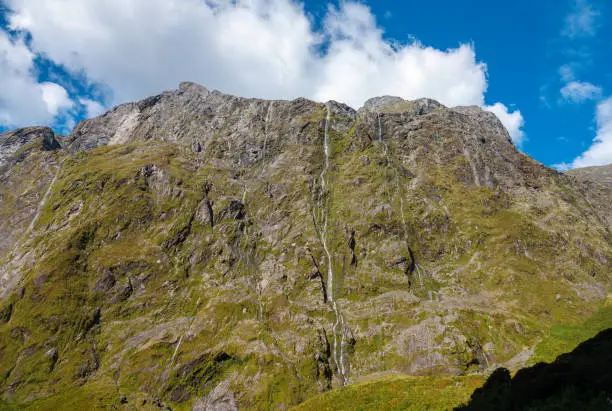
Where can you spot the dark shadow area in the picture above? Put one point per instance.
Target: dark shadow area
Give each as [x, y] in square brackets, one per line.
[579, 380]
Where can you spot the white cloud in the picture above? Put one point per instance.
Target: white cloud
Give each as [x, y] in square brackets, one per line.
[92, 107]
[513, 121]
[360, 64]
[600, 152]
[254, 48]
[21, 97]
[55, 97]
[139, 47]
[580, 91]
[24, 101]
[258, 48]
[566, 72]
[582, 21]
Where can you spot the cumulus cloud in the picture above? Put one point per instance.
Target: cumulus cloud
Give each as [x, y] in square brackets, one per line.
[513, 121]
[138, 47]
[582, 21]
[23, 101]
[360, 64]
[600, 152]
[580, 91]
[255, 48]
[92, 107]
[55, 97]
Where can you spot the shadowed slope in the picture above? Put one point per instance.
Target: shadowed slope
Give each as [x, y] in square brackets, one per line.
[579, 380]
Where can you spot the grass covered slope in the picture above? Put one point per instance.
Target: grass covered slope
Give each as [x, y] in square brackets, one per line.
[198, 274]
[399, 393]
[563, 338]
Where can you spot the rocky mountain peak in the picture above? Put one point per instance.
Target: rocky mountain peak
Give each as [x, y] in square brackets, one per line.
[391, 104]
[194, 88]
[18, 141]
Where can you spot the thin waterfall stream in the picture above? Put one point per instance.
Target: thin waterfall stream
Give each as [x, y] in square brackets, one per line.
[398, 191]
[266, 122]
[339, 329]
[395, 175]
[264, 150]
[330, 276]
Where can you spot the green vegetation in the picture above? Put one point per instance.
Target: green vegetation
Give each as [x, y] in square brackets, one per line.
[99, 395]
[397, 393]
[564, 338]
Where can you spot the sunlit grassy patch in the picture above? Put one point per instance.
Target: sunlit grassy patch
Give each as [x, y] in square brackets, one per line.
[398, 393]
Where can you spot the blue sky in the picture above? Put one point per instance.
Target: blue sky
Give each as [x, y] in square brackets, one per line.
[543, 67]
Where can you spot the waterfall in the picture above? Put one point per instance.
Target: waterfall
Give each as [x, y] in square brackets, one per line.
[330, 274]
[401, 198]
[339, 323]
[395, 177]
[266, 121]
[339, 329]
[260, 305]
[418, 270]
[380, 132]
[326, 148]
[266, 134]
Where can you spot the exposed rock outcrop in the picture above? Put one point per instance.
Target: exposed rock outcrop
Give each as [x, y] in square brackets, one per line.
[15, 145]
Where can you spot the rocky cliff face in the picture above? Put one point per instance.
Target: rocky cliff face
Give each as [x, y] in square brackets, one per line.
[28, 164]
[199, 249]
[596, 186]
[601, 174]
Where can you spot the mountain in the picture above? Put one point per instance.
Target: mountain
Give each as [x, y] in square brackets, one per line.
[200, 250]
[597, 187]
[600, 174]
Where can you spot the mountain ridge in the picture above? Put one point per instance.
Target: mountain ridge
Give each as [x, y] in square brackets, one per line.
[198, 249]
[193, 91]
